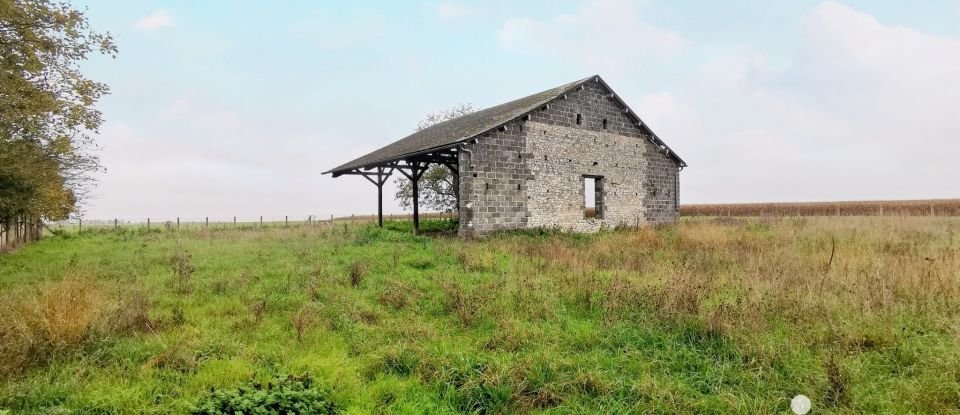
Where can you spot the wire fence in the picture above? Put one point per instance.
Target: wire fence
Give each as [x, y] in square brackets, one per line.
[224, 222]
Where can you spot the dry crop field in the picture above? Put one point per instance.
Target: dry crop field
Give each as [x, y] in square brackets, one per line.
[935, 207]
[711, 315]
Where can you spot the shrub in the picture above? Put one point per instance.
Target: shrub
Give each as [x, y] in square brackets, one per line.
[289, 395]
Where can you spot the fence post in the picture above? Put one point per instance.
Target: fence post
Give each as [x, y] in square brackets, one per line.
[206, 222]
[286, 220]
[115, 225]
[80, 225]
[148, 224]
[932, 213]
[178, 224]
[261, 221]
[234, 221]
[881, 210]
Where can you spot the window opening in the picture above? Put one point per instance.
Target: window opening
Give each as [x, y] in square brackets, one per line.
[592, 197]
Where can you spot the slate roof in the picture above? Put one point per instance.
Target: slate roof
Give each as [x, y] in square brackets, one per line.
[452, 132]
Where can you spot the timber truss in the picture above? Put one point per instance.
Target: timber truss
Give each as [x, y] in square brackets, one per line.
[412, 168]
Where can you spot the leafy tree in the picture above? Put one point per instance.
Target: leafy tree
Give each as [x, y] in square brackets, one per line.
[439, 187]
[47, 108]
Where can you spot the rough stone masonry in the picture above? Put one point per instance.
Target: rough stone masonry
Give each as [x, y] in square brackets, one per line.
[531, 173]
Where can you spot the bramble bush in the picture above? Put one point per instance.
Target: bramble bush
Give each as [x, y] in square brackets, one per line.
[283, 395]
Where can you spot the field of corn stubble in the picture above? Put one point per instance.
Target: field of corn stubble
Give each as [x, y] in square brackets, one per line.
[711, 315]
[932, 207]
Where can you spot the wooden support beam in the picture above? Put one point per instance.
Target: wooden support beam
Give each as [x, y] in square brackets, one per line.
[413, 169]
[378, 178]
[416, 203]
[416, 171]
[379, 184]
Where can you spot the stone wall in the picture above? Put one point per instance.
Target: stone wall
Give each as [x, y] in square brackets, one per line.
[493, 182]
[532, 174]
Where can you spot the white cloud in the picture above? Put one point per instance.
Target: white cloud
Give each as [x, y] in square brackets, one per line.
[858, 109]
[198, 158]
[451, 10]
[156, 20]
[864, 110]
[592, 32]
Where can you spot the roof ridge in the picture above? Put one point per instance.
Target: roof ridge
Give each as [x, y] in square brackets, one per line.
[454, 131]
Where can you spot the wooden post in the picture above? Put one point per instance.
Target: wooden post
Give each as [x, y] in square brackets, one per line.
[416, 170]
[148, 224]
[261, 221]
[80, 225]
[286, 220]
[234, 221]
[380, 205]
[115, 224]
[178, 224]
[416, 198]
[206, 222]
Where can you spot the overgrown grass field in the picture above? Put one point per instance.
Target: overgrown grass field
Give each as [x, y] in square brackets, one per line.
[861, 314]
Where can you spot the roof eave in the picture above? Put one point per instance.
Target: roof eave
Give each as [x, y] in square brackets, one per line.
[338, 171]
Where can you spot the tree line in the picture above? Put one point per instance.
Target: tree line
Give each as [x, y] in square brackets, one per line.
[48, 112]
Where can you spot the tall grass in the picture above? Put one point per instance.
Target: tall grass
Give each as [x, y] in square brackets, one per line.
[59, 317]
[711, 315]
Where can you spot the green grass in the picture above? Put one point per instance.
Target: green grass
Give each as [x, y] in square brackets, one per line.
[708, 316]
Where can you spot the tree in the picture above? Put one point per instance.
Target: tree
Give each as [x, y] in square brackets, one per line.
[47, 108]
[439, 187]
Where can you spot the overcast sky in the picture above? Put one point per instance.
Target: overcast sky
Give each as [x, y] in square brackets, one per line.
[228, 109]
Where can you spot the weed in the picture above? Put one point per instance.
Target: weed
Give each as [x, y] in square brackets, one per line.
[357, 271]
[257, 308]
[61, 317]
[466, 305]
[177, 316]
[302, 320]
[282, 395]
[178, 357]
[398, 295]
[837, 384]
[133, 313]
[182, 269]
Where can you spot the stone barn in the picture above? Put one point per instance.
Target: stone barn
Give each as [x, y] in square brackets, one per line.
[574, 157]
